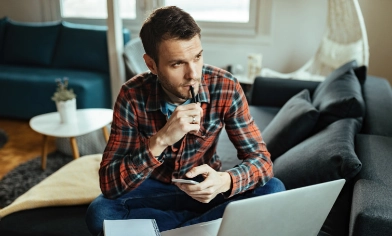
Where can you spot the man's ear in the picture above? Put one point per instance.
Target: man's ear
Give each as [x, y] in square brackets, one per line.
[150, 64]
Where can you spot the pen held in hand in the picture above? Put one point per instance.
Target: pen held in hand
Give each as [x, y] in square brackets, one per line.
[193, 94]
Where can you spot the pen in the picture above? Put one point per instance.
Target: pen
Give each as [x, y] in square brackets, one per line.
[193, 94]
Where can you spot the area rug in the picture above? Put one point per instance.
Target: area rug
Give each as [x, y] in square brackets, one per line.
[3, 138]
[22, 178]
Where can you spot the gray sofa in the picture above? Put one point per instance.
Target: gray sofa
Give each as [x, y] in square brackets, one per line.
[339, 128]
[343, 129]
[33, 55]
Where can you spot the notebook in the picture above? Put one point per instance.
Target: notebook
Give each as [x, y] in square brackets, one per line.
[130, 227]
[296, 212]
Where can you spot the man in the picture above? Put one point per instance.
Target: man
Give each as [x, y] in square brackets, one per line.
[159, 134]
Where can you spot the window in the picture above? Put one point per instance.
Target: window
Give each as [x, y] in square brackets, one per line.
[215, 11]
[95, 9]
[220, 20]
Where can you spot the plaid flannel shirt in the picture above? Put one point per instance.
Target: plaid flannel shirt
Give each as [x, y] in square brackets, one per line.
[137, 116]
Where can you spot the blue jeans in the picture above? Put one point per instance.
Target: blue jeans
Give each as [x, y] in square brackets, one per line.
[167, 204]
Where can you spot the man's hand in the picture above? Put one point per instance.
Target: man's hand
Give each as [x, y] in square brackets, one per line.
[184, 119]
[213, 184]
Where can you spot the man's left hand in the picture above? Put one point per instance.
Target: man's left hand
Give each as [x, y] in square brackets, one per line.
[213, 184]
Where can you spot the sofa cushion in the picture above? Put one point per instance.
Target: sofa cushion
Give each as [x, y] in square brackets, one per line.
[82, 47]
[3, 22]
[327, 155]
[30, 43]
[291, 125]
[337, 98]
[275, 92]
[38, 85]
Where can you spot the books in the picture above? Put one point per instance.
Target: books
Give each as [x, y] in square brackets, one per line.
[131, 227]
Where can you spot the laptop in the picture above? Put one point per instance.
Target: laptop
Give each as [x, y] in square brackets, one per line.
[296, 212]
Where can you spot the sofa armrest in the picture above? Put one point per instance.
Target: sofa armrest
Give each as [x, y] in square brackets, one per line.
[377, 94]
[371, 211]
[276, 92]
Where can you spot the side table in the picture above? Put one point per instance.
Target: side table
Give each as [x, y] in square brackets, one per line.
[88, 120]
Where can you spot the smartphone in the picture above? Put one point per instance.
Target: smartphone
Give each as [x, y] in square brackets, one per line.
[184, 181]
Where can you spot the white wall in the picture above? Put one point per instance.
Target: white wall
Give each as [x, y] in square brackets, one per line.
[22, 10]
[297, 27]
[378, 20]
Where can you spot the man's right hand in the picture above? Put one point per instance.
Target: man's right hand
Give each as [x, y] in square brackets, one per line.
[179, 124]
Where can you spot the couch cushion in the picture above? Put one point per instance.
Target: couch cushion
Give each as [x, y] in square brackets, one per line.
[30, 43]
[327, 155]
[3, 22]
[275, 92]
[291, 125]
[82, 47]
[337, 98]
[37, 86]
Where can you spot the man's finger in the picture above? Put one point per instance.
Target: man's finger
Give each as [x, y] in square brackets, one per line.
[195, 171]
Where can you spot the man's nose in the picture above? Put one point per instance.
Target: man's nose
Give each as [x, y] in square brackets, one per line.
[192, 71]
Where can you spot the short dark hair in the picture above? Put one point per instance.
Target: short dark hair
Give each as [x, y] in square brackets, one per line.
[167, 23]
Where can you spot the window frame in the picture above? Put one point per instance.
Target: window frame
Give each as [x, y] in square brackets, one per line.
[257, 30]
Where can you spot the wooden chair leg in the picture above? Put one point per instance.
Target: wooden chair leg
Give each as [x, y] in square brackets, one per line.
[44, 151]
[105, 133]
[75, 150]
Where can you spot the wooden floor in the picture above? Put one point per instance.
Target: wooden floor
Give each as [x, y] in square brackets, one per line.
[23, 144]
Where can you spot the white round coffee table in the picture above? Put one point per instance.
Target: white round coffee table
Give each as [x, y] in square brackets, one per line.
[88, 120]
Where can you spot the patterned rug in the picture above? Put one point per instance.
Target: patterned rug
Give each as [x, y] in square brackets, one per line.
[3, 138]
[28, 174]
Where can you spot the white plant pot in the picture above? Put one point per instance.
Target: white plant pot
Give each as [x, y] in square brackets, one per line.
[67, 111]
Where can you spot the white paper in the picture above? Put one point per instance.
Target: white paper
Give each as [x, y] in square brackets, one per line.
[131, 227]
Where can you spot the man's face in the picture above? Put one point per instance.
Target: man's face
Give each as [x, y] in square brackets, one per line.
[180, 66]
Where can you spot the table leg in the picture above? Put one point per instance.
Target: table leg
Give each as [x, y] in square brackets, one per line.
[105, 133]
[75, 150]
[44, 151]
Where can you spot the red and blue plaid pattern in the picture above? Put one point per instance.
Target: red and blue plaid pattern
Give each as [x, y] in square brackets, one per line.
[138, 115]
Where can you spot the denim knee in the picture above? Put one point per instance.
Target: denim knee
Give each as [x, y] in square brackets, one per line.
[102, 208]
[274, 185]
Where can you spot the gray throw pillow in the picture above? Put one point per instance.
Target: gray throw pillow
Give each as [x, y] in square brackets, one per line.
[293, 123]
[326, 156]
[337, 98]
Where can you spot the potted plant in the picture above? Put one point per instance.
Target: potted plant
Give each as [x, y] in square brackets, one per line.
[65, 101]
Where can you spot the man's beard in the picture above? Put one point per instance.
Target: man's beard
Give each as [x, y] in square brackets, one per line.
[165, 83]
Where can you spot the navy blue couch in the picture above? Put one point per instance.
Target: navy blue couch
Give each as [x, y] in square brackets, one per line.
[33, 55]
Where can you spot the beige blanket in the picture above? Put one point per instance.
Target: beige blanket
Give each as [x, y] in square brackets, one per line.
[75, 183]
